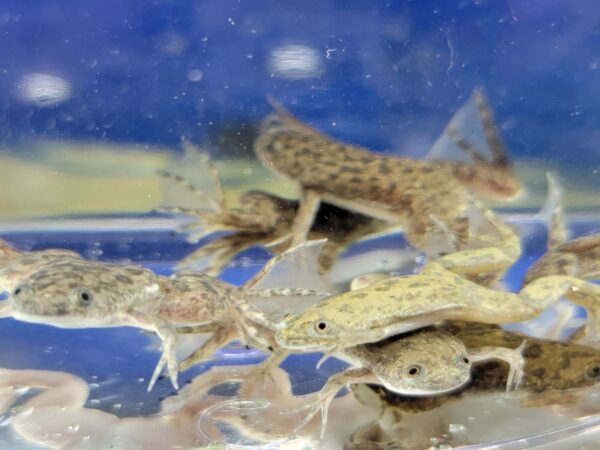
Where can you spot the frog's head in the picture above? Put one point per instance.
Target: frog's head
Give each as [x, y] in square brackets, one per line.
[72, 293]
[314, 330]
[429, 362]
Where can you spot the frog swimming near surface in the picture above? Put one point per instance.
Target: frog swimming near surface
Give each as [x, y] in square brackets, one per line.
[81, 293]
[437, 293]
[402, 191]
[552, 372]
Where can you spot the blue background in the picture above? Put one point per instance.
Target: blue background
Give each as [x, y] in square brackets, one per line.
[391, 73]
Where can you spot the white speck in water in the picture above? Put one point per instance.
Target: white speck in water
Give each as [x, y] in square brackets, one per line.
[230, 20]
[140, 380]
[94, 385]
[456, 428]
[295, 61]
[42, 89]
[117, 406]
[94, 402]
[87, 437]
[195, 75]
[73, 428]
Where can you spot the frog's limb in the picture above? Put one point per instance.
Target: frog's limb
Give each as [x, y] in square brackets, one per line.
[168, 334]
[514, 358]
[553, 264]
[307, 211]
[213, 257]
[221, 337]
[496, 258]
[552, 213]
[331, 388]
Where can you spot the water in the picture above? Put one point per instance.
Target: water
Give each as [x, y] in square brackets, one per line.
[95, 97]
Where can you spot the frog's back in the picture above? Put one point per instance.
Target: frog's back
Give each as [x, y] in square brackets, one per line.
[345, 172]
[385, 302]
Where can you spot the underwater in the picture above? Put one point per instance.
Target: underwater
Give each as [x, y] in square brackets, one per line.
[230, 224]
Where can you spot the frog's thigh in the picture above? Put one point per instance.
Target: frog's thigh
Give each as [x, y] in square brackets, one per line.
[309, 205]
[222, 336]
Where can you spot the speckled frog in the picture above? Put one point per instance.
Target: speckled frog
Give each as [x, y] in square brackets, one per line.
[74, 292]
[552, 372]
[403, 191]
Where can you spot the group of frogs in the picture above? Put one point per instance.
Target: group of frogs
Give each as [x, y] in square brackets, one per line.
[412, 341]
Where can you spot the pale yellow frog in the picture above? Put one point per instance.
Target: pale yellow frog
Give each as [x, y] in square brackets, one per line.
[402, 191]
[439, 292]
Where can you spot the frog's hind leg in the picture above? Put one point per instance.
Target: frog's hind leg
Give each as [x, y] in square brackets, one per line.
[307, 211]
[545, 291]
[328, 392]
[222, 335]
[216, 255]
[490, 257]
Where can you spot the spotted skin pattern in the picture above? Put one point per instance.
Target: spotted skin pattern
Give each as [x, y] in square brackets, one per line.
[403, 191]
[440, 292]
[74, 292]
[552, 371]
[262, 219]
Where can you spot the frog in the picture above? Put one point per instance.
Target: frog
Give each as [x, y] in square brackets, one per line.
[440, 291]
[418, 364]
[553, 373]
[78, 293]
[263, 218]
[576, 257]
[403, 191]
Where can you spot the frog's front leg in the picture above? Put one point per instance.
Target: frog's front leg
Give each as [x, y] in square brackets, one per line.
[309, 205]
[168, 334]
[331, 388]
[514, 358]
[221, 337]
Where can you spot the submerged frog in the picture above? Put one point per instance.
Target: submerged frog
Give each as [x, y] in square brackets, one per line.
[81, 293]
[403, 191]
[400, 304]
[577, 257]
[262, 219]
[552, 372]
[424, 363]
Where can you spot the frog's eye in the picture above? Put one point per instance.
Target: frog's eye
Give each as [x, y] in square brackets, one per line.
[21, 289]
[321, 326]
[85, 297]
[465, 360]
[415, 370]
[592, 371]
